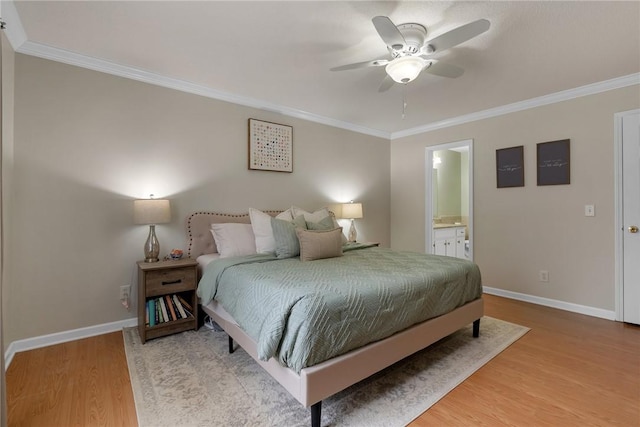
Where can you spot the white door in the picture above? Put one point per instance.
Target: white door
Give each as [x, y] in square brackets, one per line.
[631, 217]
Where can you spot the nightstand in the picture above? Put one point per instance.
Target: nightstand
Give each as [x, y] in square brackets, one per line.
[160, 282]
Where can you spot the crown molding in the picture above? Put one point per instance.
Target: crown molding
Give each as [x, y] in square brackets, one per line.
[84, 61]
[565, 95]
[18, 39]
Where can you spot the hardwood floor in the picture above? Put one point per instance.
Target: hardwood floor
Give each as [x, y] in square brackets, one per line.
[569, 370]
[79, 383]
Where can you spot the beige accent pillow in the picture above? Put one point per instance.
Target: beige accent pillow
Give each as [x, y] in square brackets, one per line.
[319, 244]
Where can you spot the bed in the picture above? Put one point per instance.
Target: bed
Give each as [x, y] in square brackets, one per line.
[315, 377]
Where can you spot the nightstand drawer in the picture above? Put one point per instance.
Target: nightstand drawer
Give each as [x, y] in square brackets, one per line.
[160, 282]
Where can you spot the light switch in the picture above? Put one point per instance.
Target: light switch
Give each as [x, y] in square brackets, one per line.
[589, 210]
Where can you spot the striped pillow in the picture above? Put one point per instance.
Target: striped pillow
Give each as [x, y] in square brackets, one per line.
[284, 233]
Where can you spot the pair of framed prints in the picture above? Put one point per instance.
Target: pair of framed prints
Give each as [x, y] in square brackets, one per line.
[552, 163]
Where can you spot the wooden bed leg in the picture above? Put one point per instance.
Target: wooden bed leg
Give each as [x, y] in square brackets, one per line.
[476, 328]
[316, 412]
[231, 350]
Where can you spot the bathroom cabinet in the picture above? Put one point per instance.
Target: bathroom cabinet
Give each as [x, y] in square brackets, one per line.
[449, 241]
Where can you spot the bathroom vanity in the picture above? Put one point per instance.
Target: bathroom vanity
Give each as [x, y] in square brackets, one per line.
[449, 240]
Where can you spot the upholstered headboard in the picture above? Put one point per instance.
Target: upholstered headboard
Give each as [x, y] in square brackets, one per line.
[199, 238]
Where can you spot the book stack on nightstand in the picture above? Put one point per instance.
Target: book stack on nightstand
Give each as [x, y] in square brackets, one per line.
[167, 301]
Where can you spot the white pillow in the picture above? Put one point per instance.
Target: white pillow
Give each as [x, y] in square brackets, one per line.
[261, 225]
[286, 215]
[317, 216]
[311, 216]
[234, 239]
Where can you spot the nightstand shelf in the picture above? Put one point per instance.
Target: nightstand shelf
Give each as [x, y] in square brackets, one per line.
[162, 278]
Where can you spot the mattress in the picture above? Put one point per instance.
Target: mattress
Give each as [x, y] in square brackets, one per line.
[302, 313]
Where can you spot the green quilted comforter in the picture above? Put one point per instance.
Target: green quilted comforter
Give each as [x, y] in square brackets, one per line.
[303, 313]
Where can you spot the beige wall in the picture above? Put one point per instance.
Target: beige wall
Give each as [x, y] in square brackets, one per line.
[87, 144]
[519, 231]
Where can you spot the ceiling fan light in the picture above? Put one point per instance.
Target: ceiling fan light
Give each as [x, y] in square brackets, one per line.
[405, 69]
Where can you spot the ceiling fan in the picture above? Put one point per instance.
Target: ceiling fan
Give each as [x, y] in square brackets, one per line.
[411, 53]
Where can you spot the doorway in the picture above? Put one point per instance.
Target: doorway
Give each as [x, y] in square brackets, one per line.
[627, 190]
[449, 171]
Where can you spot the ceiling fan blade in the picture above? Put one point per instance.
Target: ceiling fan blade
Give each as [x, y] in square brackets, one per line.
[389, 32]
[457, 36]
[442, 69]
[386, 84]
[374, 63]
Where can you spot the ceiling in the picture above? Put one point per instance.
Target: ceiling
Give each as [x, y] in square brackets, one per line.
[277, 55]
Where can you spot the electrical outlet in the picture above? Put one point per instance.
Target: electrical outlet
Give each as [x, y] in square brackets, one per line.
[125, 291]
[543, 276]
[589, 210]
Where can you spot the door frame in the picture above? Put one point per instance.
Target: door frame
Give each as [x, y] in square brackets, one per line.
[428, 208]
[619, 224]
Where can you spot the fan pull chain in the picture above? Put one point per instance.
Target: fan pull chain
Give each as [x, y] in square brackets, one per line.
[404, 102]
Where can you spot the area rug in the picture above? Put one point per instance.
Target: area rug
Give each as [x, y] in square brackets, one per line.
[190, 379]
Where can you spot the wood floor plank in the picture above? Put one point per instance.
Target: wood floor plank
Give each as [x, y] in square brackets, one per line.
[569, 370]
[79, 383]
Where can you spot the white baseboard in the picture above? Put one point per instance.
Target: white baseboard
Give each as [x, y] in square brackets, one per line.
[60, 337]
[562, 305]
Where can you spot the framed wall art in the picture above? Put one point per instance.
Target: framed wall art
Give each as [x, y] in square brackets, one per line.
[510, 167]
[270, 146]
[554, 162]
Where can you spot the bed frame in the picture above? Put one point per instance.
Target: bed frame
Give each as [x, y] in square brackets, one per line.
[318, 382]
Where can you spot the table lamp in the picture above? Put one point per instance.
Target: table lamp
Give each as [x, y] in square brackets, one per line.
[352, 211]
[151, 212]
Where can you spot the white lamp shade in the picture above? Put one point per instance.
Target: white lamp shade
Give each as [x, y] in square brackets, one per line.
[151, 211]
[405, 68]
[352, 210]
